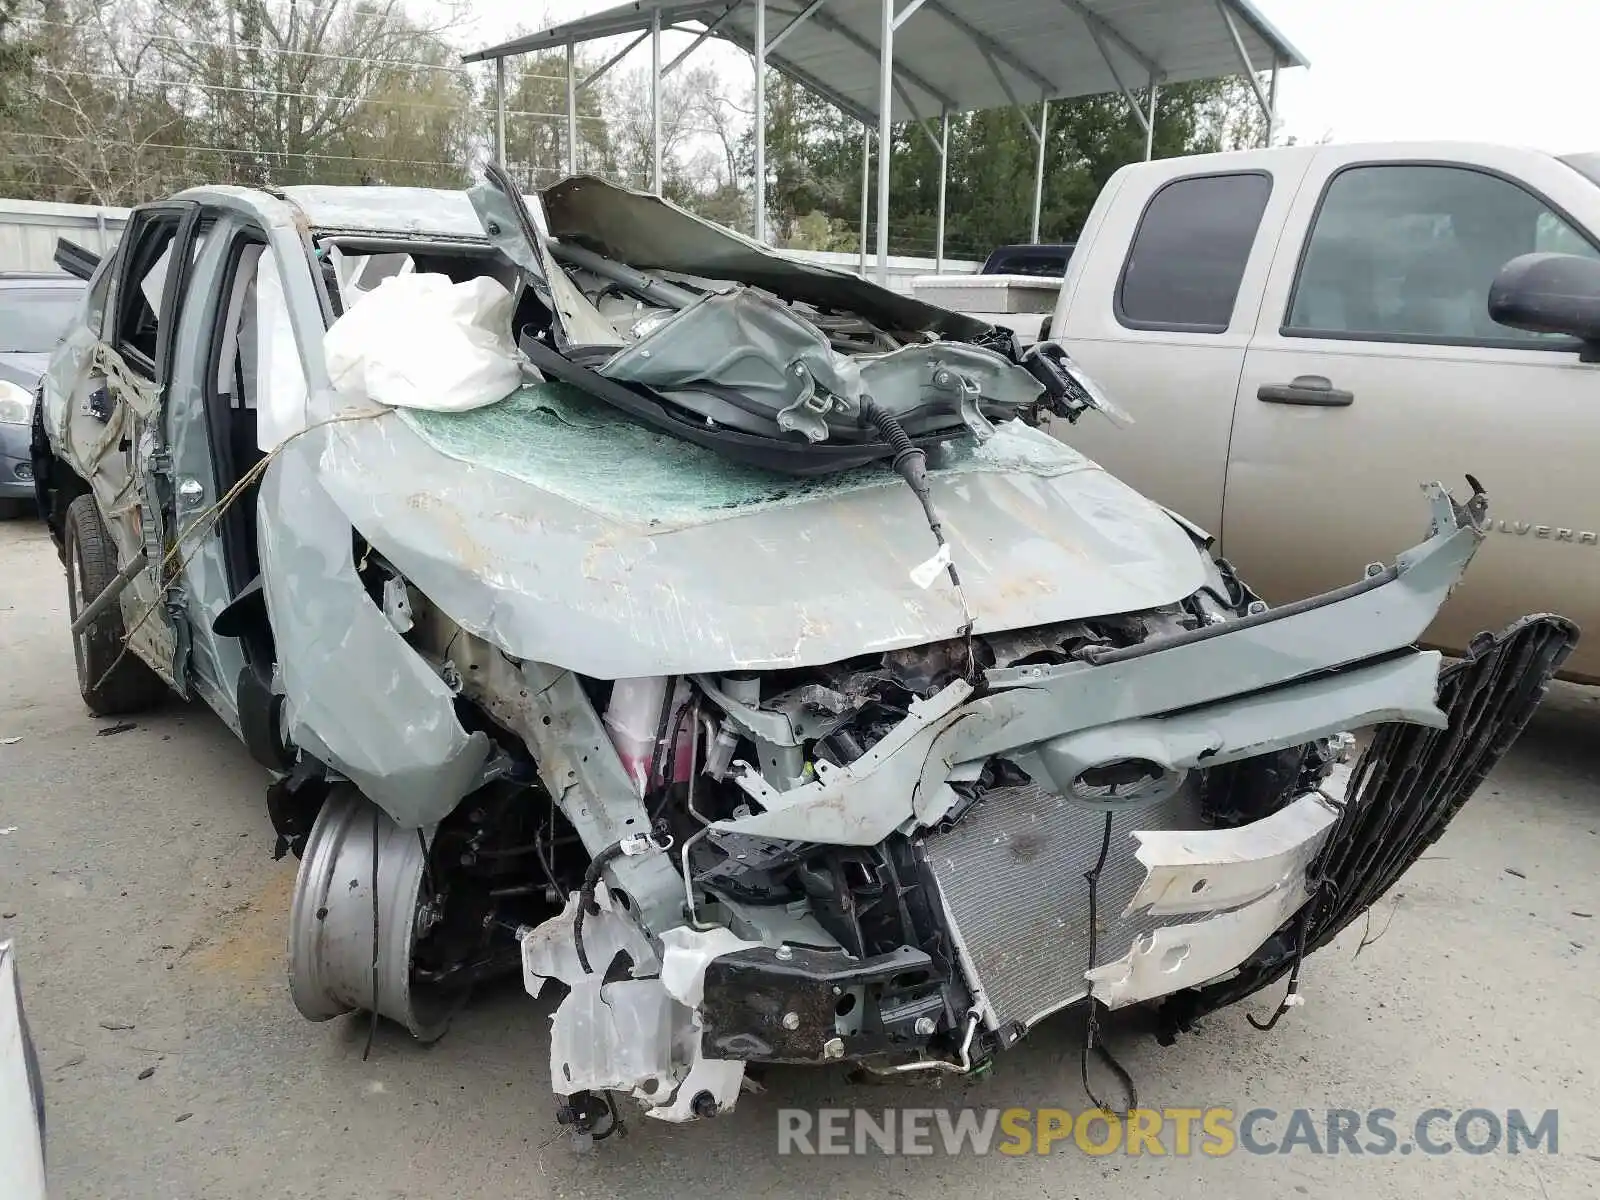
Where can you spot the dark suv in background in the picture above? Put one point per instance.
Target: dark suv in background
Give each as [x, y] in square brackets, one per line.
[35, 311]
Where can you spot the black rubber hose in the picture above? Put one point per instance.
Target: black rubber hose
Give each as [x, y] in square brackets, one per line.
[586, 900]
[905, 450]
[911, 461]
[1092, 1042]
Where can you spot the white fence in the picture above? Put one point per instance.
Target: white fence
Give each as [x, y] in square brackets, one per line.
[902, 270]
[29, 229]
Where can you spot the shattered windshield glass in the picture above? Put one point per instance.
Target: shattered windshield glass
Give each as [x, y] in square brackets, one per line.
[553, 436]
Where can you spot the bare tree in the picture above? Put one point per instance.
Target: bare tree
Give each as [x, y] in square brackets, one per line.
[536, 119]
[297, 89]
[101, 121]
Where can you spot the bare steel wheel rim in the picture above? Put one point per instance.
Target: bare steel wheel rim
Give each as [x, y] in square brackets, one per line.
[331, 917]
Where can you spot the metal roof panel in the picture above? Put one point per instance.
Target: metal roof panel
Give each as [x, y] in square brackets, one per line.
[948, 53]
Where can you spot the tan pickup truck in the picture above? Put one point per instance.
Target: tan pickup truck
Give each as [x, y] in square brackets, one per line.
[1303, 334]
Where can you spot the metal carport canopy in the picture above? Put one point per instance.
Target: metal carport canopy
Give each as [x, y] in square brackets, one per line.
[948, 56]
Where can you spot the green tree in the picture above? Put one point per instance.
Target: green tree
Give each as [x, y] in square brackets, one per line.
[814, 164]
[536, 121]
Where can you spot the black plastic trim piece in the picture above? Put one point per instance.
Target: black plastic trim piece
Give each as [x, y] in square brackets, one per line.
[784, 456]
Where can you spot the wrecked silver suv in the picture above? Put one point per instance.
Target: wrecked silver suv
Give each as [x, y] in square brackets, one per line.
[725, 639]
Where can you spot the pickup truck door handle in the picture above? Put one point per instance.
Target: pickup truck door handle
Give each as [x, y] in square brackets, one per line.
[1312, 390]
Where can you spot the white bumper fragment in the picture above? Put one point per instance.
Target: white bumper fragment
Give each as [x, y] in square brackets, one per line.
[1252, 879]
[639, 1035]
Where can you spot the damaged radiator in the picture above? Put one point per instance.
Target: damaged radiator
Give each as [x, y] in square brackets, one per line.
[1011, 876]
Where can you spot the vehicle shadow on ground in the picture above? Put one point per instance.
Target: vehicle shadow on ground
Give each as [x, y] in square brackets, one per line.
[1564, 734]
[1045, 1071]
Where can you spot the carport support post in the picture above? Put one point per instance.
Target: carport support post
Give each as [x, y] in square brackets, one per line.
[1038, 167]
[885, 135]
[1272, 104]
[866, 175]
[944, 174]
[761, 121]
[572, 110]
[500, 112]
[1150, 121]
[655, 101]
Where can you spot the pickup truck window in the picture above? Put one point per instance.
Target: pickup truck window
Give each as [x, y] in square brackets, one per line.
[1189, 252]
[1403, 252]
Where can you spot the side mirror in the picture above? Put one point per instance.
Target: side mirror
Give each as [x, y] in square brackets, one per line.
[1550, 293]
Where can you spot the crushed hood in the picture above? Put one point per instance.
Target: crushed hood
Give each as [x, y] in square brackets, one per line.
[565, 533]
[649, 233]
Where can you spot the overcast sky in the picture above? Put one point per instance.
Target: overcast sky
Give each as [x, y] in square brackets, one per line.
[1489, 70]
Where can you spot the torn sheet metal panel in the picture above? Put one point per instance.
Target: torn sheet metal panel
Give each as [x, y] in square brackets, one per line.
[855, 805]
[577, 319]
[613, 1036]
[547, 707]
[1207, 870]
[767, 353]
[685, 955]
[640, 1034]
[718, 1079]
[359, 697]
[648, 232]
[746, 342]
[1056, 732]
[821, 575]
[550, 952]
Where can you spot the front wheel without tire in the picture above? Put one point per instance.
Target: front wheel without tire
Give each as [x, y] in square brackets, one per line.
[111, 682]
[334, 917]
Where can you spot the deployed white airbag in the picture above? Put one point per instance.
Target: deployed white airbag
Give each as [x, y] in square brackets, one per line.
[421, 341]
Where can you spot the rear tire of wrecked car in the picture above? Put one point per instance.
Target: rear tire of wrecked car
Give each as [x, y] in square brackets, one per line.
[112, 683]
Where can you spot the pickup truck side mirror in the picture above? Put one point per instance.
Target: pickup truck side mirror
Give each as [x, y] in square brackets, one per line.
[1550, 293]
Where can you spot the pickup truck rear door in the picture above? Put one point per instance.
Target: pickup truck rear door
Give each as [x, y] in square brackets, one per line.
[1375, 366]
[1159, 304]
